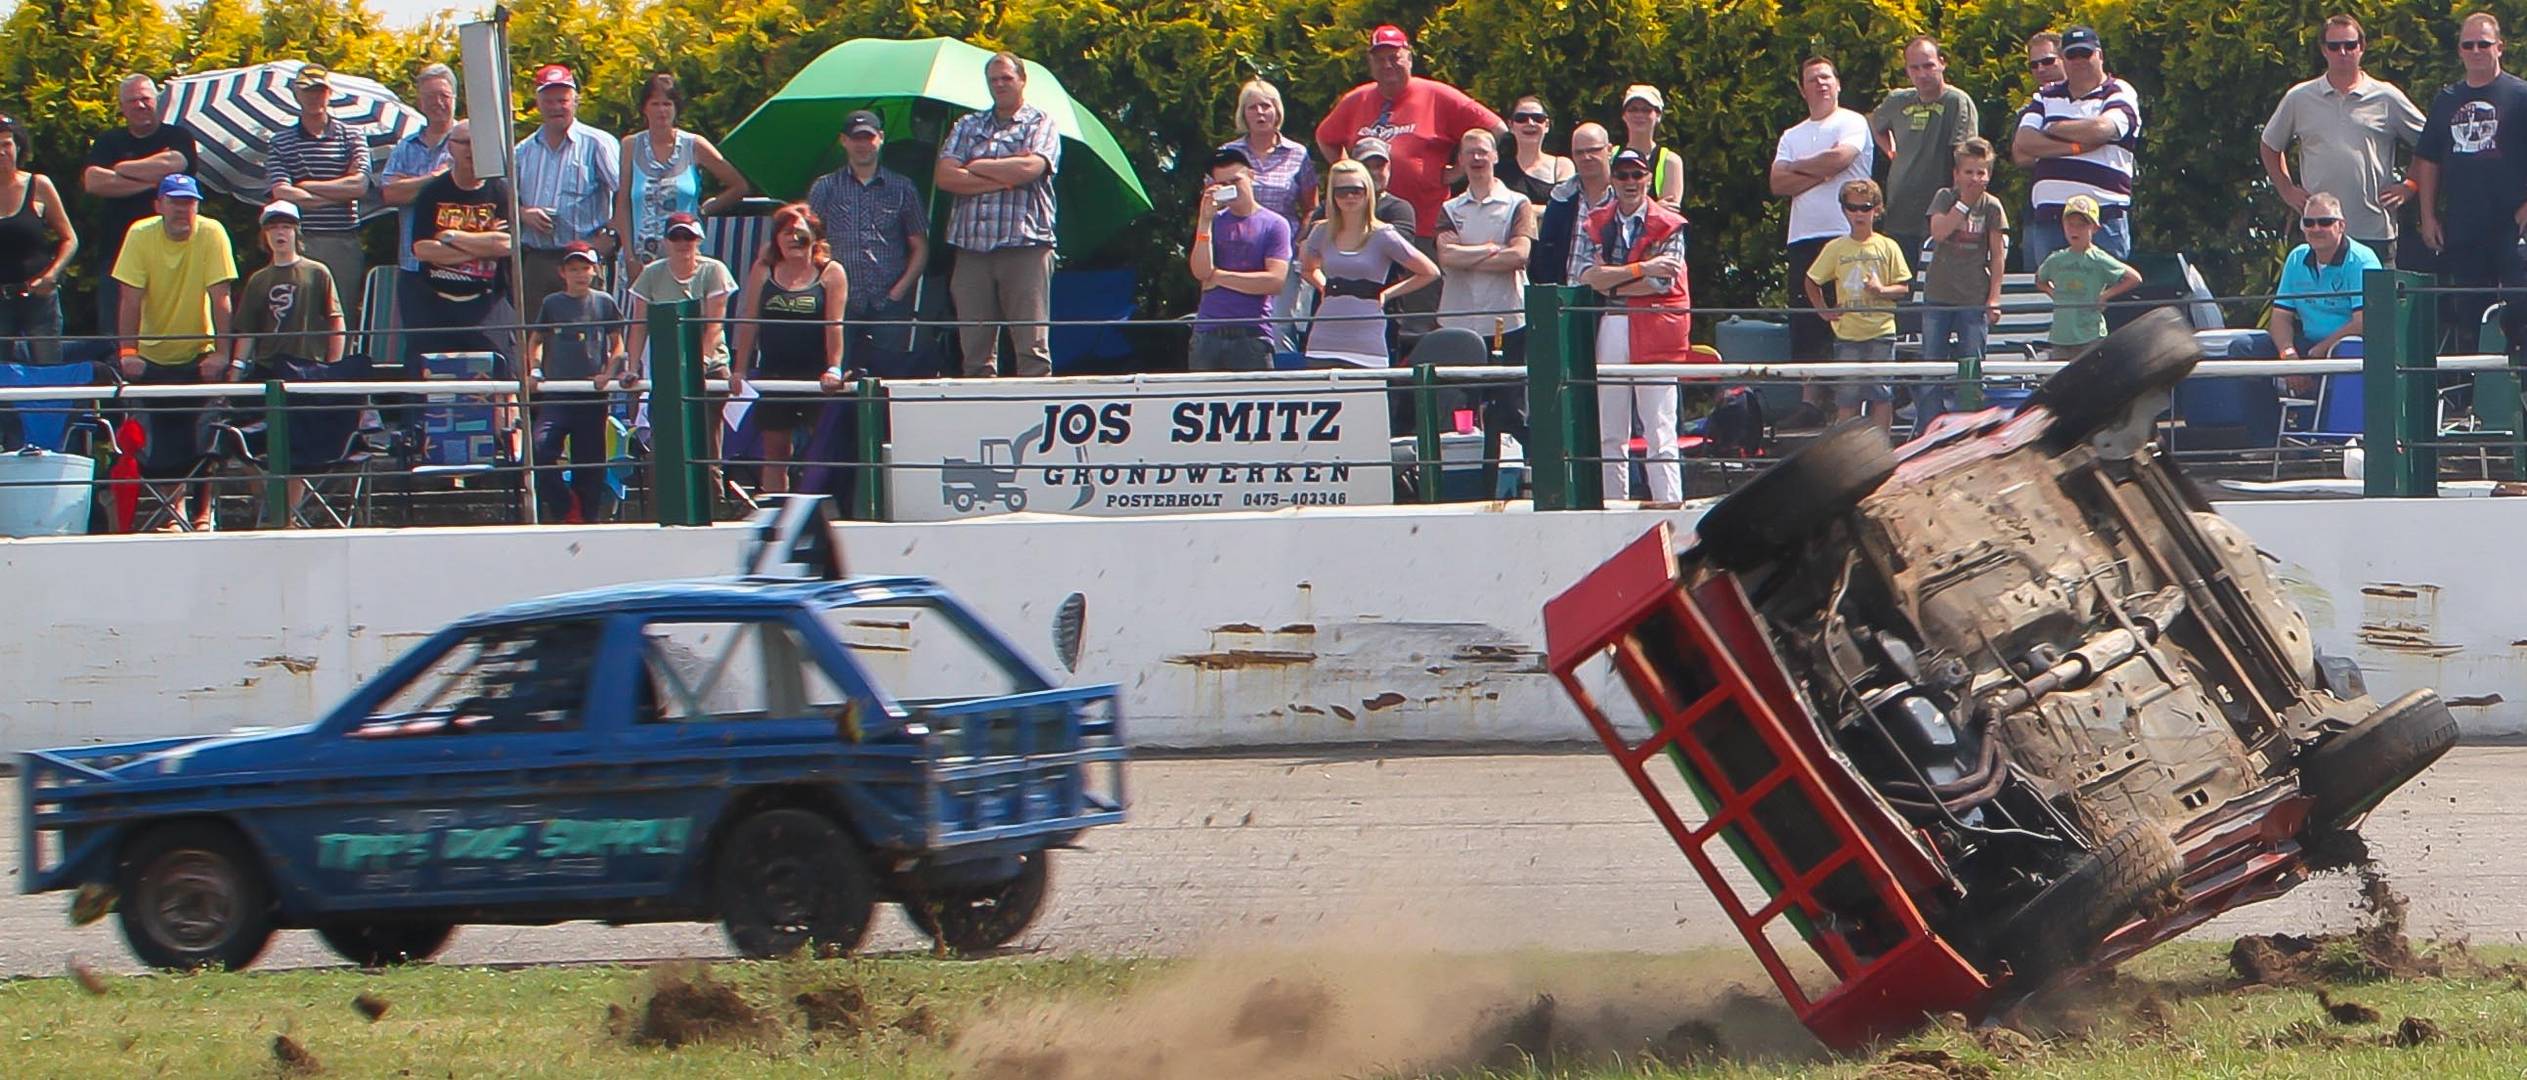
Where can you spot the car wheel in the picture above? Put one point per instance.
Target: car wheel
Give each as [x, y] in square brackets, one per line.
[1786, 503]
[2099, 894]
[386, 944]
[2094, 391]
[2348, 774]
[788, 880]
[985, 917]
[193, 896]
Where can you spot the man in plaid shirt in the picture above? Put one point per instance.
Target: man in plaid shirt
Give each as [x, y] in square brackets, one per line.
[999, 163]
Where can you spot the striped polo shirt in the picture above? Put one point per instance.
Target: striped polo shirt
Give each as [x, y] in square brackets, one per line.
[2103, 173]
[296, 156]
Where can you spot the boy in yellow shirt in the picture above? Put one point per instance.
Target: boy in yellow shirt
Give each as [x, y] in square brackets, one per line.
[1869, 273]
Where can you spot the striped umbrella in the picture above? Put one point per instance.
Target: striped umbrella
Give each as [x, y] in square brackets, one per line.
[233, 113]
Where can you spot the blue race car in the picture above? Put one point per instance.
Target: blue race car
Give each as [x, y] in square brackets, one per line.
[778, 755]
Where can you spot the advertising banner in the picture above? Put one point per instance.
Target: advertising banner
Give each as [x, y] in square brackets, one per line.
[988, 446]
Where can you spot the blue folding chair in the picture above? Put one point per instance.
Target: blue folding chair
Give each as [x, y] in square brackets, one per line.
[45, 424]
[1090, 294]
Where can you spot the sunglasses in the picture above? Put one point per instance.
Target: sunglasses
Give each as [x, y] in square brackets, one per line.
[2475, 46]
[2079, 54]
[1348, 189]
[2044, 61]
[2314, 222]
[2343, 46]
[1859, 207]
[1529, 117]
[1631, 174]
[800, 235]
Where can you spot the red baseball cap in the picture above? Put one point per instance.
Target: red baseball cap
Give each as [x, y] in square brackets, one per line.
[555, 75]
[1389, 36]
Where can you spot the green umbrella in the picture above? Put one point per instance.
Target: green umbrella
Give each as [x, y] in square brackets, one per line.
[919, 88]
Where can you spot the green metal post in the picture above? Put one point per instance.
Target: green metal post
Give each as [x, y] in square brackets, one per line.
[1580, 421]
[276, 453]
[683, 486]
[1970, 383]
[1548, 453]
[1426, 431]
[2400, 405]
[868, 489]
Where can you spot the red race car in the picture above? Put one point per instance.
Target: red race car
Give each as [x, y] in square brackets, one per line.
[1980, 713]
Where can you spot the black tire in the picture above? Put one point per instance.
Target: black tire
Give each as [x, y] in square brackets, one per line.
[386, 944]
[2348, 774]
[786, 880]
[2105, 890]
[983, 918]
[1786, 503]
[193, 896]
[2095, 390]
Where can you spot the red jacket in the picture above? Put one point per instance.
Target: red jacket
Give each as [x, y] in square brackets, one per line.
[1661, 328]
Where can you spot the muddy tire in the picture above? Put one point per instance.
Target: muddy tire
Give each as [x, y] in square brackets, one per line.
[786, 880]
[2118, 881]
[193, 896]
[386, 944]
[981, 918]
[1787, 503]
[2348, 774]
[2094, 391]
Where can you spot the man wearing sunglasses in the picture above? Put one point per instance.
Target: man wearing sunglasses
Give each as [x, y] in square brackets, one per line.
[2078, 137]
[2318, 303]
[2346, 125]
[2467, 169]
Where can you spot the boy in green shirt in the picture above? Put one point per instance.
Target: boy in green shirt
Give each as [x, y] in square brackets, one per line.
[2080, 279]
[1869, 274]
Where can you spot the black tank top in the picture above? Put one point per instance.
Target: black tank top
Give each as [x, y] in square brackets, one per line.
[25, 247]
[792, 345]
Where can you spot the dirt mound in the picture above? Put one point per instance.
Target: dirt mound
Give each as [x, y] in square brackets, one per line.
[2410, 1032]
[689, 1008]
[2345, 1011]
[371, 1006]
[1925, 1065]
[292, 1059]
[2376, 949]
[842, 1010]
[1266, 1018]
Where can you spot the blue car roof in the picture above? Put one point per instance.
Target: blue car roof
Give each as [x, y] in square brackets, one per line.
[708, 594]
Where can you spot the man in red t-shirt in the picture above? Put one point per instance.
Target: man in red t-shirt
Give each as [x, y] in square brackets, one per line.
[1420, 119]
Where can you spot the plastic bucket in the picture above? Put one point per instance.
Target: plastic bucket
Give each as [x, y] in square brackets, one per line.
[45, 494]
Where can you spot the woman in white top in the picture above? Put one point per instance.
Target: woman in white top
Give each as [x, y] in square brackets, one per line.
[1349, 259]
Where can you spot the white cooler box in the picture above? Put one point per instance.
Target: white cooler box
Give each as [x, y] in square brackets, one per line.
[44, 493]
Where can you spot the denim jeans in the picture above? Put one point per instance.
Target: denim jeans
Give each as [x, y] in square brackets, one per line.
[30, 327]
[1970, 331]
[1853, 391]
[577, 418]
[2045, 237]
[883, 351]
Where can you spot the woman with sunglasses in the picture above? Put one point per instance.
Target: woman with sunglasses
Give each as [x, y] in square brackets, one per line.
[1353, 260]
[1533, 172]
[798, 291]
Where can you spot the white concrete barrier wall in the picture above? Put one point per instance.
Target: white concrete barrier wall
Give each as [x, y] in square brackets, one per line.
[1223, 630]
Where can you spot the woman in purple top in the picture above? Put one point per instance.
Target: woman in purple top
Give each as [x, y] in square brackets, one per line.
[1285, 183]
[1351, 258]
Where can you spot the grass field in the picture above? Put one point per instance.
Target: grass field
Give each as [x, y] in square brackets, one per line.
[2178, 1012]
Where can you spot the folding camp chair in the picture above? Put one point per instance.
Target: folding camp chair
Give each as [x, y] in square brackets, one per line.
[335, 445]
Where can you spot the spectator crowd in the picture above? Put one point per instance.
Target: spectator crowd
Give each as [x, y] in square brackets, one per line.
[1410, 209]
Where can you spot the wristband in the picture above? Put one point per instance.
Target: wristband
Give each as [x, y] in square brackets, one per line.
[128, 351]
[1637, 272]
[835, 371]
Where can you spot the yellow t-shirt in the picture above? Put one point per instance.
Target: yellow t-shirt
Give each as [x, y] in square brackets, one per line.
[1844, 263]
[175, 279]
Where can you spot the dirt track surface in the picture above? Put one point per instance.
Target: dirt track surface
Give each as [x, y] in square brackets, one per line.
[1479, 852]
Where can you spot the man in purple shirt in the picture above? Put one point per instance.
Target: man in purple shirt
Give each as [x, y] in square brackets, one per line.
[1241, 258]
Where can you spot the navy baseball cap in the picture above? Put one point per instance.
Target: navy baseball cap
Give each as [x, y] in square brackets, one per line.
[179, 186]
[2080, 37]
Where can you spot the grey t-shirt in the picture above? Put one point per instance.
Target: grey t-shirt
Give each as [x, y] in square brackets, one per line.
[1961, 265]
[1354, 340]
[575, 347]
[1926, 135]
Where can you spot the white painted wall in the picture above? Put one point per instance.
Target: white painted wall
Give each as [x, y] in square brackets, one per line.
[1224, 630]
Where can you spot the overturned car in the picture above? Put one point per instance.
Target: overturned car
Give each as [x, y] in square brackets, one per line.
[1976, 714]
